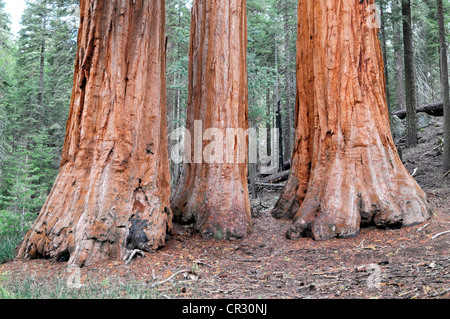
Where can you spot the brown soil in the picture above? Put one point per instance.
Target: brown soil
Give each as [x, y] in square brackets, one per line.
[410, 262]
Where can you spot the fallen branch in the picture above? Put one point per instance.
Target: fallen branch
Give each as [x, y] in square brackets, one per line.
[435, 109]
[431, 151]
[440, 293]
[270, 185]
[277, 177]
[446, 174]
[415, 172]
[407, 292]
[440, 234]
[170, 278]
[423, 227]
[131, 254]
[261, 204]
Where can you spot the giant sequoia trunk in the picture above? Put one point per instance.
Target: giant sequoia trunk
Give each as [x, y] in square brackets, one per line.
[346, 172]
[113, 191]
[214, 193]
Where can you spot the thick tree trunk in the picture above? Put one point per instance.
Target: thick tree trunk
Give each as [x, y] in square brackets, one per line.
[214, 194]
[346, 172]
[410, 76]
[113, 190]
[444, 84]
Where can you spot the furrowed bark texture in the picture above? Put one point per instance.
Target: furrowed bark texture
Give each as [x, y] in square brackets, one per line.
[346, 172]
[215, 195]
[113, 190]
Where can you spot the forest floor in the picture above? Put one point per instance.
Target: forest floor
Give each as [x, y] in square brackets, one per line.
[405, 263]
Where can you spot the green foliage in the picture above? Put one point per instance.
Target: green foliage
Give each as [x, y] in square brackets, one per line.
[178, 20]
[4, 24]
[271, 39]
[36, 73]
[8, 243]
[6, 70]
[11, 233]
[55, 287]
[34, 104]
[4, 294]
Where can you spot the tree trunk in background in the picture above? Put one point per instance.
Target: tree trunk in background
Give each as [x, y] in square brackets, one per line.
[444, 84]
[269, 123]
[288, 77]
[41, 80]
[252, 179]
[215, 195]
[279, 125]
[399, 79]
[42, 52]
[346, 172]
[383, 39]
[410, 76]
[113, 190]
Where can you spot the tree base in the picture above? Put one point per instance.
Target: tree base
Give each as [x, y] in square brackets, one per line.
[236, 229]
[320, 221]
[217, 224]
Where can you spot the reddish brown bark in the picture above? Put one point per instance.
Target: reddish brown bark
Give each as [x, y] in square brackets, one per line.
[215, 195]
[113, 189]
[346, 172]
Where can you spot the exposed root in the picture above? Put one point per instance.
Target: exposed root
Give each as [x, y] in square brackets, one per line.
[131, 254]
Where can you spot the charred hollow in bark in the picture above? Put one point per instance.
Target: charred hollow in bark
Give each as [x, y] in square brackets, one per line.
[112, 192]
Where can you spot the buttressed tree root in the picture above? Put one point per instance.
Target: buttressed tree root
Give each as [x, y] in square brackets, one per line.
[113, 190]
[346, 172]
[214, 195]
